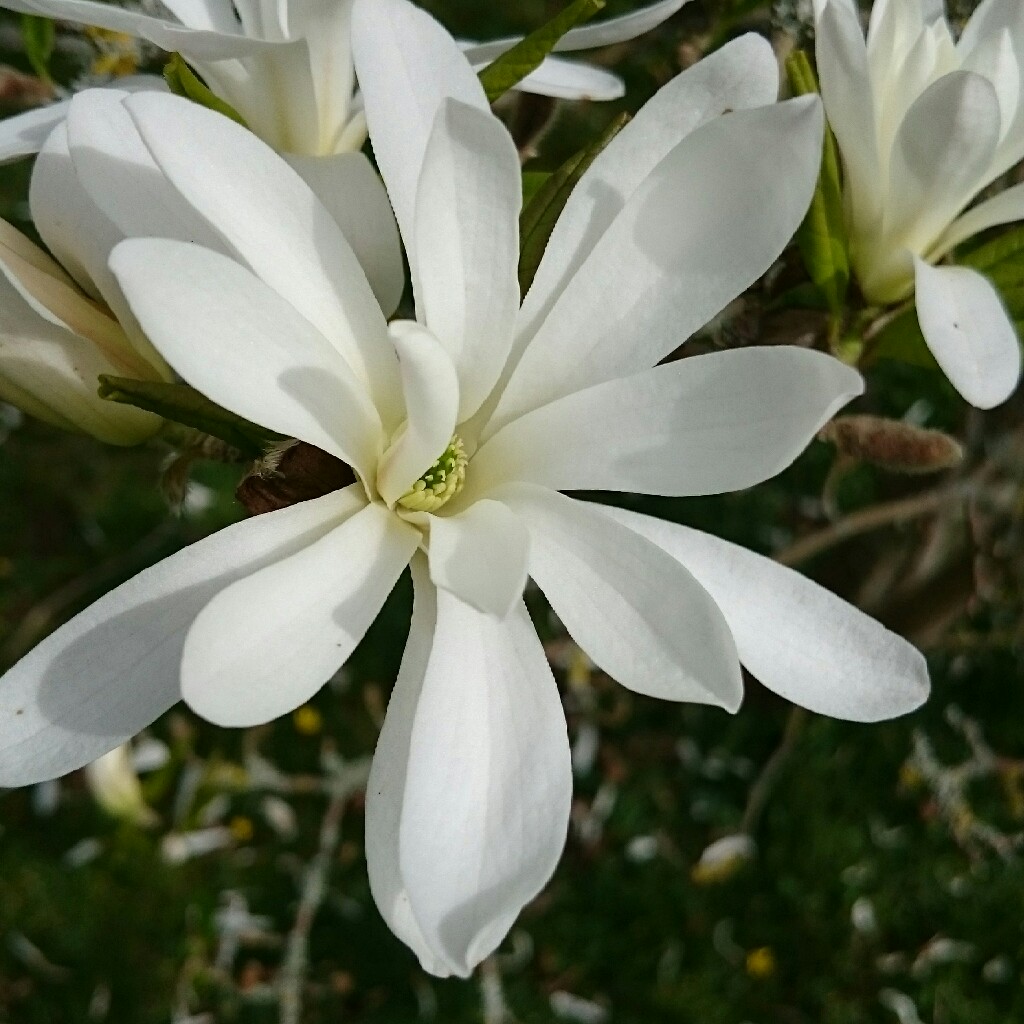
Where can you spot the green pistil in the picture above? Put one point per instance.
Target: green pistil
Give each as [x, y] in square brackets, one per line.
[441, 482]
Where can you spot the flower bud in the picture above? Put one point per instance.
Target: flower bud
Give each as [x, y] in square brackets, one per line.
[892, 444]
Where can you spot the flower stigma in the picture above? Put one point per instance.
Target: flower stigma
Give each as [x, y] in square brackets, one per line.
[441, 482]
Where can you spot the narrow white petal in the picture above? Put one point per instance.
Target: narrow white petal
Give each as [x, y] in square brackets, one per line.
[710, 220]
[480, 555]
[168, 35]
[703, 425]
[488, 786]
[742, 74]
[572, 80]
[385, 789]
[24, 134]
[848, 94]
[589, 37]
[265, 212]
[266, 644]
[989, 18]
[271, 366]
[968, 332]
[431, 391]
[216, 15]
[1003, 208]
[940, 155]
[114, 668]
[354, 195]
[996, 60]
[466, 255]
[407, 65]
[797, 638]
[639, 615]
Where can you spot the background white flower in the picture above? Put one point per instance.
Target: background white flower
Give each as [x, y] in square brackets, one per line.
[924, 124]
[468, 799]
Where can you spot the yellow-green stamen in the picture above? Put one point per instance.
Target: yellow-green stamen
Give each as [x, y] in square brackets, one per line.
[441, 482]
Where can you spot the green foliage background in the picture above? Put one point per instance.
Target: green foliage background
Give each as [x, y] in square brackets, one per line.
[127, 937]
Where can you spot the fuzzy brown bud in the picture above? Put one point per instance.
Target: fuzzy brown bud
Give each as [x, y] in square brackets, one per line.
[892, 444]
[289, 473]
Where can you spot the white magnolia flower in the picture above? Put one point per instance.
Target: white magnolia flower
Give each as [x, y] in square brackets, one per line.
[924, 124]
[463, 427]
[287, 68]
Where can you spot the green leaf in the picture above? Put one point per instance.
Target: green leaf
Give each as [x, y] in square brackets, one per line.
[185, 405]
[38, 36]
[532, 182]
[1006, 248]
[821, 237]
[527, 55]
[183, 81]
[542, 211]
[901, 340]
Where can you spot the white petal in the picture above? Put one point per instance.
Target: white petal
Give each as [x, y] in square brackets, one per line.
[797, 638]
[166, 34]
[989, 18]
[407, 65]
[266, 644]
[848, 94]
[569, 80]
[385, 789]
[489, 783]
[264, 210]
[996, 60]
[480, 555]
[271, 365]
[589, 37]
[941, 152]
[639, 616]
[1003, 208]
[114, 668]
[24, 134]
[217, 15]
[431, 391]
[968, 332]
[742, 74]
[710, 220]
[354, 195]
[703, 425]
[466, 256]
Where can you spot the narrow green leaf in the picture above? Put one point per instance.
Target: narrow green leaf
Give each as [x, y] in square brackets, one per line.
[38, 36]
[1007, 247]
[185, 405]
[532, 182]
[527, 55]
[821, 237]
[183, 81]
[540, 214]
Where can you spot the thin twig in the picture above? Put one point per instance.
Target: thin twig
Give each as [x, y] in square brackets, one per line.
[761, 790]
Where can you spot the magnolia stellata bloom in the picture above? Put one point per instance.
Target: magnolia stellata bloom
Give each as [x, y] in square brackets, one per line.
[287, 67]
[463, 427]
[924, 124]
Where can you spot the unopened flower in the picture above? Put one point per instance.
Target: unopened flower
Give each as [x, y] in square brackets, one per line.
[114, 783]
[924, 124]
[463, 427]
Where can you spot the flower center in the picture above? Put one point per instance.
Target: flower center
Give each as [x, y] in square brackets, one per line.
[441, 482]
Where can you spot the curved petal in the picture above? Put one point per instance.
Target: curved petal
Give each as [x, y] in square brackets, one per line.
[588, 37]
[24, 134]
[263, 210]
[638, 615]
[270, 366]
[704, 425]
[480, 556]
[355, 197]
[711, 219]
[385, 788]
[431, 392]
[988, 20]
[266, 644]
[940, 155]
[114, 668]
[968, 332]
[215, 15]
[571, 80]
[744, 73]
[1003, 208]
[465, 260]
[166, 34]
[486, 796]
[797, 638]
[407, 65]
